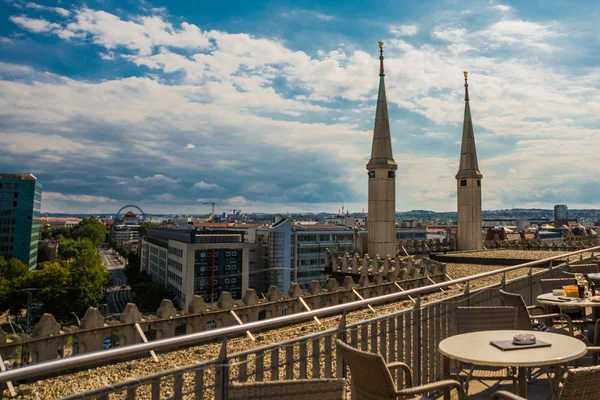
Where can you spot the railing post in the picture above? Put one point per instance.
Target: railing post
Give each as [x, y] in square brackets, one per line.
[340, 363]
[222, 373]
[467, 293]
[530, 275]
[417, 350]
[503, 281]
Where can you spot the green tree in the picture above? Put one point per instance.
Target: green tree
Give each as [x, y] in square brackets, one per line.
[90, 278]
[92, 229]
[132, 269]
[144, 228]
[46, 234]
[53, 281]
[14, 275]
[153, 296]
[64, 232]
[69, 248]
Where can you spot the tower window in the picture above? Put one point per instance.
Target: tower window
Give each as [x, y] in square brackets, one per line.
[463, 182]
[371, 174]
[391, 174]
[478, 182]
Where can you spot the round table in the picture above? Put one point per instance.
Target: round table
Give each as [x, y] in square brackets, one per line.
[549, 299]
[475, 348]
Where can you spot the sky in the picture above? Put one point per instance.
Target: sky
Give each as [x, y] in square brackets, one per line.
[269, 105]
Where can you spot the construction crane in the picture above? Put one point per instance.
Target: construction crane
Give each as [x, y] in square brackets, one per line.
[213, 207]
[233, 213]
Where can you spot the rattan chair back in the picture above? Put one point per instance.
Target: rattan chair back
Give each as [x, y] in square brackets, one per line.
[582, 383]
[474, 319]
[299, 389]
[371, 379]
[548, 285]
[583, 269]
[516, 300]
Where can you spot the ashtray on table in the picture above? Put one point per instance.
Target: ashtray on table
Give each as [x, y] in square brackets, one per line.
[524, 339]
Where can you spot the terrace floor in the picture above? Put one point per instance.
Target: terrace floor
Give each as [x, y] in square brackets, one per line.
[538, 389]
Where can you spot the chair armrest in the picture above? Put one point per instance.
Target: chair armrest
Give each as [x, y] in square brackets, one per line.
[560, 315]
[430, 387]
[503, 394]
[405, 368]
[537, 307]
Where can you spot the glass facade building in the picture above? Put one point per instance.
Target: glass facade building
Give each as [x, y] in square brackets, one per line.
[20, 203]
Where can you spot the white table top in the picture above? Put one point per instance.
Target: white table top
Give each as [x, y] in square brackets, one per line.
[550, 299]
[475, 348]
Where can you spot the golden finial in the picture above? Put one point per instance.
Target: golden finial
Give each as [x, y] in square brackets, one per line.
[465, 73]
[381, 45]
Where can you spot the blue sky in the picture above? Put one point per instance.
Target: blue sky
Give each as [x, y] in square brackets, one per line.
[269, 106]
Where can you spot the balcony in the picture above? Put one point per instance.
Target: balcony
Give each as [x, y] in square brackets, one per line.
[410, 329]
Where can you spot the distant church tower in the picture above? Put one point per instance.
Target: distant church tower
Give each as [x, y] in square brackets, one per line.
[382, 179]
[468, 181]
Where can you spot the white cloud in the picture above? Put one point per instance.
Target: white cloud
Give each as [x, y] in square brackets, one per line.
[165, 197]
[58, 10]
[403, 30]
[158, 178]
[190, 146]
[77, 198]
[109, 56]
[36, 25]
[502, 7]
[205, 186]
[523, 109]
[324, 17]
[237, 200]
[450, 34]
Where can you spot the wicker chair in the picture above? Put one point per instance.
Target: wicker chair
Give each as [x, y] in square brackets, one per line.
[372, 378]
[474, 319]
[524, 319]
[581, 383]
[577, 316]
[582, 269]
[300, 389]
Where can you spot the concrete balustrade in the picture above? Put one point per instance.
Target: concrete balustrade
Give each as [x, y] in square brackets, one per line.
[49, 338]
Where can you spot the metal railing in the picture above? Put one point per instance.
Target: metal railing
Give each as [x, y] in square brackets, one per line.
[416, 313]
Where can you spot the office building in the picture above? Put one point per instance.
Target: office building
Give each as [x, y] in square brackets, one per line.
[296, 251]
[126, 229]
[561, 212]
[192, 262]
[349, 221]
[20, 203]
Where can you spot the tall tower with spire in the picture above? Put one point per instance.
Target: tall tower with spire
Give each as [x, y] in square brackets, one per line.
[382, 179]
[468, 181]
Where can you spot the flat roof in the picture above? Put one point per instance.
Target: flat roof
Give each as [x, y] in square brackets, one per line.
[27, 176]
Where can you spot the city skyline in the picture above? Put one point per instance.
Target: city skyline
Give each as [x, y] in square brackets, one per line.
[164, 105]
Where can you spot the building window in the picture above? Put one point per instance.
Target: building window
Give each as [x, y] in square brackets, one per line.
[391, 174]
[371, 174]
[478, 182]
[463, 182]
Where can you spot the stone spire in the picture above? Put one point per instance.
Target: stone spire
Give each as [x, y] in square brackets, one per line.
[381, 151]
[382, 179]
[468, 180]
[468, 168]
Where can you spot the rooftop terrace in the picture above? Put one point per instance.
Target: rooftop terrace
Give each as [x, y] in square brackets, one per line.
[401, 326]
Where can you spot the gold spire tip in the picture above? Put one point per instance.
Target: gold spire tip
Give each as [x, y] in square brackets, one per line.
[465, 73]
[381, 45]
